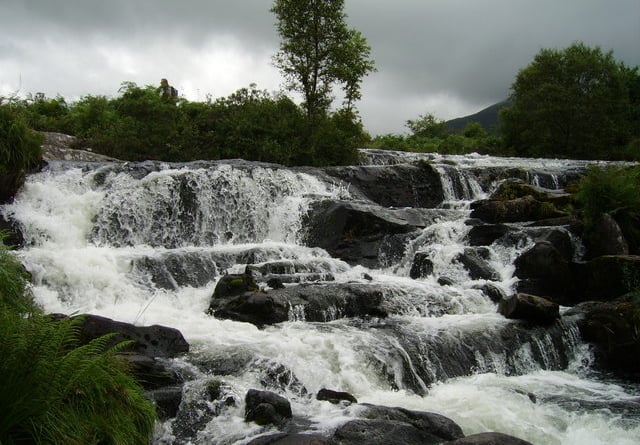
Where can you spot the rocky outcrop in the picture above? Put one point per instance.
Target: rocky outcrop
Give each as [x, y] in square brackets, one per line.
[59, 146]
[614, 329]
[606, 238]
[522, 209]
[543, 270]
[307, 301]
[475, 261]
[362, 233]
[413, 185]
[530, 308]
[490, 438]
[610, 276]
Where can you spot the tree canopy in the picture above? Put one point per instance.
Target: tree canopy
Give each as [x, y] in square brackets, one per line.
[575, 103]
[318, 50]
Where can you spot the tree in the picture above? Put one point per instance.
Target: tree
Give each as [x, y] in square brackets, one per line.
[427, 126]
[570, 103]
[318, 50]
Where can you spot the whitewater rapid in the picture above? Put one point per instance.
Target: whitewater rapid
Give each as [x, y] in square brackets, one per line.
[91, 230]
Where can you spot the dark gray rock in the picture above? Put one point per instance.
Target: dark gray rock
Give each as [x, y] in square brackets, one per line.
[515, 210]
[422, 266]
[611, 276]
[335, 397]
[362, 233]
[258, 308]
[486, 234]
[150, 341]
[382, 432]
[167, 401]
[291, 439]
[606, 238]
[529, 308]
[474, 261]
[489, 439]
[413, 185]
[543, 270]
[435, 424]
[266, 408]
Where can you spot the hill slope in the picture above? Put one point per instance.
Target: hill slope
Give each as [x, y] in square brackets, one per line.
[488, 118]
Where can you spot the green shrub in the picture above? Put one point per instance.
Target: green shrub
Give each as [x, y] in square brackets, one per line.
[20, 148]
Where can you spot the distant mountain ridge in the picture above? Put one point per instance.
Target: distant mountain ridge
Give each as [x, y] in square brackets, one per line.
[487, 117]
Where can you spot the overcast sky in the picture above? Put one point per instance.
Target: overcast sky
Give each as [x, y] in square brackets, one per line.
[446, 57]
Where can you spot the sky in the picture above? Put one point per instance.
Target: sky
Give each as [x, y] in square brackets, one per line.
[449, 58]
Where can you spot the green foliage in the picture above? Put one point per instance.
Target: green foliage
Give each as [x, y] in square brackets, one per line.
[55, 390]
[317, 50]
[612, 190]
[574, 103]
[427, 126]
[20, 148]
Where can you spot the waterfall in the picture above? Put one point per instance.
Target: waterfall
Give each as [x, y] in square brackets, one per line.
[146, 243]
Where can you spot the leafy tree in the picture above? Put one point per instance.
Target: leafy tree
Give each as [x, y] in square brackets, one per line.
[572, 103]
[318, 50]
[427, 126]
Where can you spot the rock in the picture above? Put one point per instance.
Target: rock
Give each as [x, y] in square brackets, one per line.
[432, 423]
[606, 238]
[291, 439]
[167, 401]
[612, 276]
[613, 328]
[258, 308]
[515, 210]
[485, 235]
[543, 270]
[515, 188]
[10, 183]
[266, 408]
[234, 284]
[14, 236]
[445, 281]
[413, 185]
[319, 302]
[150, 372]
[361, 233]
[150, 341]
[530, 308]
[492, 291]
[422, 266]
[489, 439]
[477, 266]
[57, 146]
[382, 432]
[335, 397]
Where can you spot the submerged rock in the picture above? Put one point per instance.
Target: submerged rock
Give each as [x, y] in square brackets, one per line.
[335, 397]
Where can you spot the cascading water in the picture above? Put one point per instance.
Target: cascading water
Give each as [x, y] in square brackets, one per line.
[146, 243]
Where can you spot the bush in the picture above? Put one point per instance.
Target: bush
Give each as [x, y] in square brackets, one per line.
[55, 390]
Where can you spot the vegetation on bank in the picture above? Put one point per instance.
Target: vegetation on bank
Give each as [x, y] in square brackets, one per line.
[55, 390]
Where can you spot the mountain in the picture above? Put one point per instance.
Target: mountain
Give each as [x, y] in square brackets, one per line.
[488, 118]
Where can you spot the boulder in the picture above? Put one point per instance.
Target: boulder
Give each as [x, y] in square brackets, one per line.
[335, 397]
[362, 233]
[516, 188]
[522, 209]
[492, 291]
[150, 341]
[232, 285]
[613, 329]
[382, 432]
[486, 234]
[475, 261]
[612, 276]
[435, 424]
[167, 401]
[150, 372]
[422, 266]
[318, 302]
[543, 270]
[266, 408]
[530, 308]
[489, 439]
[413, 185]
[291, 439]
[606, 238]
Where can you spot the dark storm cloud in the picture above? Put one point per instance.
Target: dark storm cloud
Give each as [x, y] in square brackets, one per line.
[447, 57]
